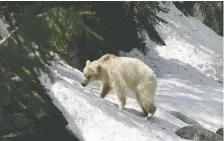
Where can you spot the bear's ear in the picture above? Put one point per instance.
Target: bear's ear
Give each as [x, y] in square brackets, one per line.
[87, 62]
[99, 67]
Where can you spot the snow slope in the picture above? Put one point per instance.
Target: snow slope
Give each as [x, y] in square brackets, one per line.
[93, 119]
[187, 69]
[189, 65]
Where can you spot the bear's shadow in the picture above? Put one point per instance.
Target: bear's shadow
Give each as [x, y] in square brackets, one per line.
[132, 111]
[161, 123]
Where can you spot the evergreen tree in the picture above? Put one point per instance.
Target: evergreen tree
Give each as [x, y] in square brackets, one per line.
[146, 15]
[24, 103]
[211, 13]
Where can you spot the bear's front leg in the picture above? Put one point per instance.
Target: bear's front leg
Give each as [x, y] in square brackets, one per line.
[105, 88]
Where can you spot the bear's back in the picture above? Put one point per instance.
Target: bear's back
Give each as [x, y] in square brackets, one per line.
[134, 70]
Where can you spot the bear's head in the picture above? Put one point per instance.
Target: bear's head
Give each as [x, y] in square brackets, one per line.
[91, 72]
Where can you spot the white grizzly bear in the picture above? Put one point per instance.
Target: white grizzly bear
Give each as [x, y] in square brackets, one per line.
[119, 74]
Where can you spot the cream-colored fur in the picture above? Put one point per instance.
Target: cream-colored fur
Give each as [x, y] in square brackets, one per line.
[121, 73]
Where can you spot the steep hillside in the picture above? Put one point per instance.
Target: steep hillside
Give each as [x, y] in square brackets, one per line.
[193, 50]
[188, 68]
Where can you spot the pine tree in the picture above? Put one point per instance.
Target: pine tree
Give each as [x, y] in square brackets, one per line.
[211, 13]
[146, 13]
[24, 102]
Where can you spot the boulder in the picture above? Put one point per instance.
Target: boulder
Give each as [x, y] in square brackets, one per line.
[198, 133]
[184, 118]
[220, 131]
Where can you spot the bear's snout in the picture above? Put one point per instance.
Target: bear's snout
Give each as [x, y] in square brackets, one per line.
[83, 84]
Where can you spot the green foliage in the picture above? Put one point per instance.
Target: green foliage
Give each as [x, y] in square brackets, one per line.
[63, 23]
[23, 56]
[213, 15]
[18, 70]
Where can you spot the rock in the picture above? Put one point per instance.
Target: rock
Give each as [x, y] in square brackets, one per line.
[198, 133]
[184, 118]
[220, 131]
